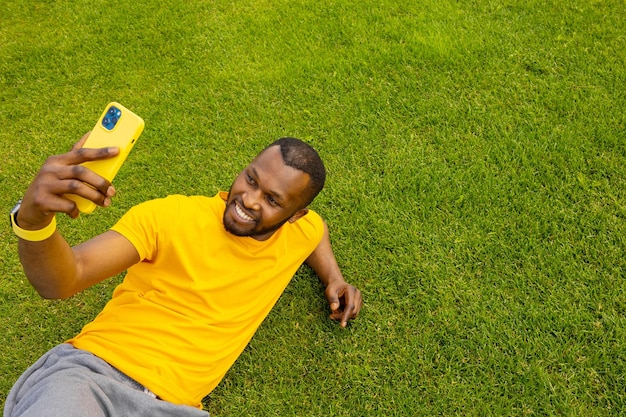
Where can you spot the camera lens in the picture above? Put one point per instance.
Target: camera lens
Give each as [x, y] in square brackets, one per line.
[111, 118]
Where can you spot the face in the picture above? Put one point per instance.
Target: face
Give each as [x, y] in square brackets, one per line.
[265, 195]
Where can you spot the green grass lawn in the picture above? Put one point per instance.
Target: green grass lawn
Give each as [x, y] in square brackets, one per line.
[477, 186]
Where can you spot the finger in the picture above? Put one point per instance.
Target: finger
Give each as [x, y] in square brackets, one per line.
[358, 302]
[63, 179]
[333, 299]
[74, 213]
[39, 208]
[78, 156]
[44, 194]
[100, 196]
[353, 302]
[348, 313]
[336, 316]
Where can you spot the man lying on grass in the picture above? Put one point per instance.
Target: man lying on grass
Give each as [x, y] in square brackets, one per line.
[202, 274]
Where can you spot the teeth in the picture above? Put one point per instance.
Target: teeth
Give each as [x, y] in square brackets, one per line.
[241, 213]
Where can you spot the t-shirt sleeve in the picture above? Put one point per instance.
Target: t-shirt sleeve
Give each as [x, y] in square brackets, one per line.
[145, 224]
[312, 226]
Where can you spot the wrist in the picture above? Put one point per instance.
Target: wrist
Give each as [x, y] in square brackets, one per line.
[31, 235]
[335, 280]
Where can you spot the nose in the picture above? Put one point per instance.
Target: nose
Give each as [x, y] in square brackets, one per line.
[251, 199]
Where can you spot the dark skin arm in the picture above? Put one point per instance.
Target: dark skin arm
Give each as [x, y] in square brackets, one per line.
[345, 301]
[55, 269]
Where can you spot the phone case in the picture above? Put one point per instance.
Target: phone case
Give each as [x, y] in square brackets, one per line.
[119, 127]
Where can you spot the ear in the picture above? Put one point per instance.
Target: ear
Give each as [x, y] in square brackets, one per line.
[298, 215]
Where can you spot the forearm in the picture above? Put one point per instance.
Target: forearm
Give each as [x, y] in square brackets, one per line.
[344, 300]
[55, 269]
[323, 261]
[327, 270]
[50, 266]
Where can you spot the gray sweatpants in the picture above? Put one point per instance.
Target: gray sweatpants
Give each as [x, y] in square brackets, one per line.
[69, 382]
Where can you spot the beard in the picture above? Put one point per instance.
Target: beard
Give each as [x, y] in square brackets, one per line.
[252, 230]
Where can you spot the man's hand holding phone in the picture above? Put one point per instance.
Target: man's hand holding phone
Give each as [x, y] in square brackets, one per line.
[80, 180]
[60, 176]
[116, 127]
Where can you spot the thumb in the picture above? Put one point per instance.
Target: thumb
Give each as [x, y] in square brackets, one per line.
[333, 299]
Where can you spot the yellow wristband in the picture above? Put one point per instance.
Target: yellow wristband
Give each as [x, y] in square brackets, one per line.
[34, 235]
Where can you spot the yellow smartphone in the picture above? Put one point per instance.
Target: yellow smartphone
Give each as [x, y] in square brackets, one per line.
[119, 127]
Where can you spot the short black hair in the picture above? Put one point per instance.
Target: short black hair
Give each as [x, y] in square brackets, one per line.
[303, 157]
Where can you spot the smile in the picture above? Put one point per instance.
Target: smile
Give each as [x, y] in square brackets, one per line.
[242, 214]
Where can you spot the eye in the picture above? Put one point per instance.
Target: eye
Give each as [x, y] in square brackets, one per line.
[272, 201]
[250, 180]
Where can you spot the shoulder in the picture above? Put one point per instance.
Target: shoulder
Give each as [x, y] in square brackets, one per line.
[313, 218]
[310, 226]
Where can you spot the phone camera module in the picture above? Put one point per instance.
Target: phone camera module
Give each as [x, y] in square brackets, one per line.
[111, 118]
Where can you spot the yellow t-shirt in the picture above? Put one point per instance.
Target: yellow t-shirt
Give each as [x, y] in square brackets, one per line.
[183, 315]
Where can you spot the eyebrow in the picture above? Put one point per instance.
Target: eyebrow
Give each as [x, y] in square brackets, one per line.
[275, 195]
